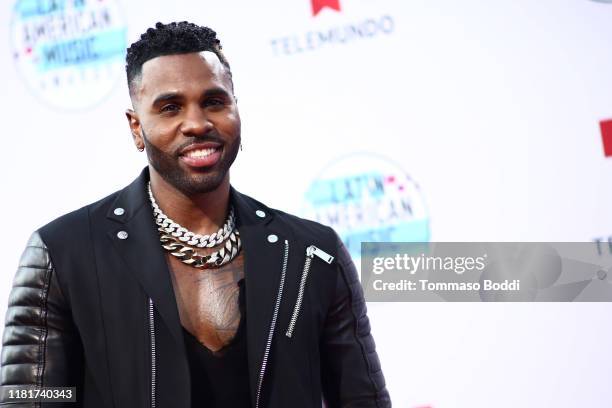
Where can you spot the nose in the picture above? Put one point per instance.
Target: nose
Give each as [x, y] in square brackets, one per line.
[196, 122]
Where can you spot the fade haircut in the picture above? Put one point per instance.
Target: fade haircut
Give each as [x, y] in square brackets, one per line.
[171, 39]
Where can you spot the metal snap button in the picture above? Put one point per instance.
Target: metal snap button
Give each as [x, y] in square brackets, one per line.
[122, 235]
[272, 238]
[119, 211]
[260, 213]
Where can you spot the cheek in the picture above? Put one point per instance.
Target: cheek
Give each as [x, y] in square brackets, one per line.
[230, 124]
[160, 133]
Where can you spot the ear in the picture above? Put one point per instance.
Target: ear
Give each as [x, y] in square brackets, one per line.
[135, 128]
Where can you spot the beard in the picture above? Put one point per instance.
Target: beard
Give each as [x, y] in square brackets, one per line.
[192, 181]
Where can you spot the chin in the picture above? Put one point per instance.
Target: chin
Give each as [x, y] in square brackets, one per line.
[203, 183]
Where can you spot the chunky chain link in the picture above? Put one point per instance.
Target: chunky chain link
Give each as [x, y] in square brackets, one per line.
[180, 242]
[184, 235]
[191, 257]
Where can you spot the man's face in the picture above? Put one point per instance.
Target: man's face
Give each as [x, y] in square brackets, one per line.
[186, 117]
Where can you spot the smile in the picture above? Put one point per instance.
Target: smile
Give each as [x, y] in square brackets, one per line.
[199, 153]
[198, 156]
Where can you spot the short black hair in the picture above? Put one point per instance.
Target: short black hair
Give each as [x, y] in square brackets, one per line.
[169, 39]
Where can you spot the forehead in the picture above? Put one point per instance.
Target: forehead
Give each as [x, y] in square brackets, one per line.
[183, 73]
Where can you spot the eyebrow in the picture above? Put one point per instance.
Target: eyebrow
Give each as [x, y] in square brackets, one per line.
[165, 97]
[173, 96]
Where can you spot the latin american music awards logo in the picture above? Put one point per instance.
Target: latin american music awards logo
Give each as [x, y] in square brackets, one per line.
[331, 27]
[70, 53]
[368, 198]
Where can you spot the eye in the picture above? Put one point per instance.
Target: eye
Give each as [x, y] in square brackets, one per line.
[171, 107]
[214, 102]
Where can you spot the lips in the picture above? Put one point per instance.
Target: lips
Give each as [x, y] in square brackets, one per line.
[201, 154]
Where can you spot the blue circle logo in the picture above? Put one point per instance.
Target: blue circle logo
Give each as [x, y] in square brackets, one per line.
[70, 53]
[368, 198]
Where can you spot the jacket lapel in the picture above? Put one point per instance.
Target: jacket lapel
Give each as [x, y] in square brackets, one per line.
[263, 262]
[142, 251]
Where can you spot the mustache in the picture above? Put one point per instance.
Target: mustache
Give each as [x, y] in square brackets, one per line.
[212, 136]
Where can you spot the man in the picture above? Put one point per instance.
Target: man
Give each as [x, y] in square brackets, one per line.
[179, 291]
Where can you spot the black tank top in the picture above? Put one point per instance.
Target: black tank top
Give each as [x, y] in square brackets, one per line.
[220, 380]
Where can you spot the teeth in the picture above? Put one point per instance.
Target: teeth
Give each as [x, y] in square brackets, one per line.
[200, 153]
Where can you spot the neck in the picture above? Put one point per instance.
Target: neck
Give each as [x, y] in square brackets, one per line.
[201, 213]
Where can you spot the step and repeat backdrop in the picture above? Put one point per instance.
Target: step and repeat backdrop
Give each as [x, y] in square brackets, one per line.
[389, 120]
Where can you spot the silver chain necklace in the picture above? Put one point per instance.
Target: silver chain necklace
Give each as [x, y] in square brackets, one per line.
[184, 235]
[179, 241]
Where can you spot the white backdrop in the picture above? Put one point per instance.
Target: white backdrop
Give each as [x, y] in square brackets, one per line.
[491, 108]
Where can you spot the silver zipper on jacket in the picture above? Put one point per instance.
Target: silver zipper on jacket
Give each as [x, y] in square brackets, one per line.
[153, 356]
[279, 295]
[311, 251]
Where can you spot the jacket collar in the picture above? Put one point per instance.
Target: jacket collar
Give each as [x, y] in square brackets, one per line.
[263, 260]
[133, 197]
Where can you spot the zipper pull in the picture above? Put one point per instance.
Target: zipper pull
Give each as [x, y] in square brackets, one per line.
[312, 250]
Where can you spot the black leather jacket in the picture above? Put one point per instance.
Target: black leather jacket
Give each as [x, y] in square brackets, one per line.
[96, 311]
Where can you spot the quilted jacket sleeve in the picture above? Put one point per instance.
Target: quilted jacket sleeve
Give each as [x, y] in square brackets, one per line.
[40, 345]
[351, 372]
